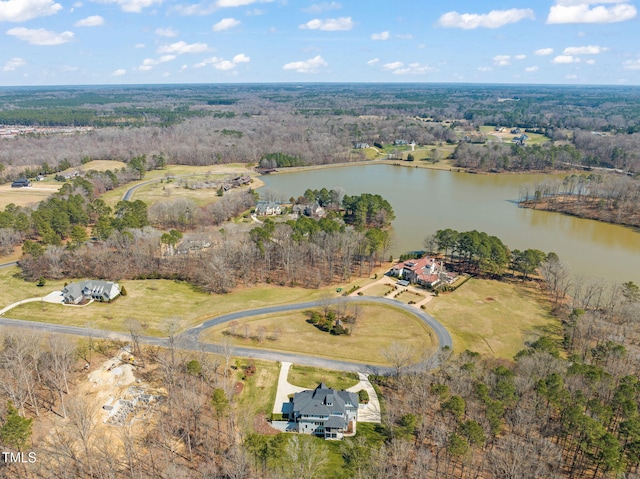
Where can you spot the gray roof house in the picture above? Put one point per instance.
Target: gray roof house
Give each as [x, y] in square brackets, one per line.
[75, 293]
[323, 412]
[268, 208]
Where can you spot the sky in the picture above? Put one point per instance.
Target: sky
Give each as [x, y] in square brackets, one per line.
[582, 42]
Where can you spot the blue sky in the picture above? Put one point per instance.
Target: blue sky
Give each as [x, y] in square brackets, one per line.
[48, 42]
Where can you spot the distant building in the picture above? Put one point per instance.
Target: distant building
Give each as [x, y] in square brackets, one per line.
[21, 183]
[268, 208]
[361, 146]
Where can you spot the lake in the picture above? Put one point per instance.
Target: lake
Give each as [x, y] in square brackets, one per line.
[426, 200]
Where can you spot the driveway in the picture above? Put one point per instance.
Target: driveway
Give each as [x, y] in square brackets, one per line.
[367, 412]
[284, 388]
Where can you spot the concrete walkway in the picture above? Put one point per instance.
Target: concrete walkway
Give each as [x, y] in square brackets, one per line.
[53, 297]
[366, 412]
[391, 281]
[284, 388]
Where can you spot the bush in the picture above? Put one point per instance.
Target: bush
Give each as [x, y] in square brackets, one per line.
[363, 396]
[123, 291]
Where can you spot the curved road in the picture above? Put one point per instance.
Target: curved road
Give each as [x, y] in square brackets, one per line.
[190, 339]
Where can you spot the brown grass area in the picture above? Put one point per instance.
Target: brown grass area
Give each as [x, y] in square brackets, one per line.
[493, 317]
[31, 196]
[377, 328]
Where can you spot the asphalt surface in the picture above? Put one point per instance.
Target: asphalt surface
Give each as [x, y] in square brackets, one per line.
[189, 340]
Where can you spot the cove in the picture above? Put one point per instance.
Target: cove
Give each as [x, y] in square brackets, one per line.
[426, 200]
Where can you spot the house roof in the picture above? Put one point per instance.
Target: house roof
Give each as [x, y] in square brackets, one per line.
[323, 401]
[107, 289]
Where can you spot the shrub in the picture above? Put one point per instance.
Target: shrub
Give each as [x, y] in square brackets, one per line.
[363, 396]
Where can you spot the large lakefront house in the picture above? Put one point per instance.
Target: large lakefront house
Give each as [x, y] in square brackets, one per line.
[423, 271]
[323, 412]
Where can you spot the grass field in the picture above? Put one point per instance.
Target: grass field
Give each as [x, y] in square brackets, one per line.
[151, 302]
[378, 327]
[377, 290]
[307, 377]
[492, 317]
[506, 136]
[113, 196]
[259, 391]
[39, 191]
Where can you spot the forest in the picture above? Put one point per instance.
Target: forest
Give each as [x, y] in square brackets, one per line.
[290, 125]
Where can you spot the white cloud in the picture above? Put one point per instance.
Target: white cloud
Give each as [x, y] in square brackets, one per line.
[582, 12]
[571, 77]
[415, 68]
[485, 69]
[519, 57]
[92, 21]
[139, 45]
[373, 61]
[563, 59]
[586, 50]
[225, 24]
[329, 25]
[241, 58]
[531, 69]
[132, 6]
[380, 36]
[238, 3]
[41, 36]
[591, 61]
[222, 64]
[312, 65]
[632, 64]
[393, 65]
[13, 64]
[544, 51]
[493, 19]
[322, 7]
[23, 10]
[119, 72]
[166, 32]
[180, 48]
[502, 60]
[149, 63]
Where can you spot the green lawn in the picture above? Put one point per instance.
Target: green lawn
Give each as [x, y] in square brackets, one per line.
[308, 377]
[493, 317]
[378, 290]
[377, 328]
[259, 391]
[151, 302]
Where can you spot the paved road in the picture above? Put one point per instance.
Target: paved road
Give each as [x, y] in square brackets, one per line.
[189, 340]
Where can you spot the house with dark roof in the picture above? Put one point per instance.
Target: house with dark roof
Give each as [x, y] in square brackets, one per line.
[323, 412]
[268, 208]
[75, 293]
[21, 183]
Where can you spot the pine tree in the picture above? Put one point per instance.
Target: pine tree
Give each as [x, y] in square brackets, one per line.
[16, 430]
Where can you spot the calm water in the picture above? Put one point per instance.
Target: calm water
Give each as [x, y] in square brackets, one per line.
[425, 201]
